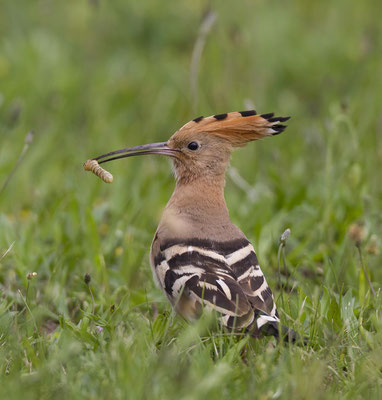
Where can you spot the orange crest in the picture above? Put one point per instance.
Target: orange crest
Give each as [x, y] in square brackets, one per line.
[238, 128]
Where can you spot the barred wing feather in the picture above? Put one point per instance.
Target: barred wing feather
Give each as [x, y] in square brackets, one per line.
[223, 276]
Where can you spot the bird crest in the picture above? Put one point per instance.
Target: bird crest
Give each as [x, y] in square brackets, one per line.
[238, 128]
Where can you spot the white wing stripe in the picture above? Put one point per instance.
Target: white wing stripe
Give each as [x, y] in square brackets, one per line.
[160, 272]
[177, 250]
[225, 288]
[273, 312]
[179, 283]
[239, 254]
[207, 285]
[260, 290]
[189, 269]
[263, 319]
[252, 272]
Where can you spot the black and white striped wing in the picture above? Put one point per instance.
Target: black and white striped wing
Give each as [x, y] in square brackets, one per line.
[224, 276]
[245, 266]
[195, 277]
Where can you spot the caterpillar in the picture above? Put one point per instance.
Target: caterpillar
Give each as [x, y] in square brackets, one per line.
[93, 166]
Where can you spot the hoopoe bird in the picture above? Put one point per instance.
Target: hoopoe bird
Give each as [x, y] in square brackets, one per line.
[199, 258]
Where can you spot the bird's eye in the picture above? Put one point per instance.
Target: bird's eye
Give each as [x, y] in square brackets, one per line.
[193, 146]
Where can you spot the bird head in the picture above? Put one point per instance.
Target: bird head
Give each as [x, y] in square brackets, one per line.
[202, 147]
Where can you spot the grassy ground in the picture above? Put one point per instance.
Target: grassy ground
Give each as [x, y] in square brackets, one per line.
[94, 76]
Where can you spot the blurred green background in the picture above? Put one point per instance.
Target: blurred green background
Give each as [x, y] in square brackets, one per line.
[94, 76]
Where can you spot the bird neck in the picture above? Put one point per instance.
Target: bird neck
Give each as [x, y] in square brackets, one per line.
[198, 210]
[201, 197]
[201, 194]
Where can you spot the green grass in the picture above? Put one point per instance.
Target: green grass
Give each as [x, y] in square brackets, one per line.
[91, 78]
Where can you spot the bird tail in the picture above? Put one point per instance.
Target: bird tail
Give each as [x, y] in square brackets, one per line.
[267, 325]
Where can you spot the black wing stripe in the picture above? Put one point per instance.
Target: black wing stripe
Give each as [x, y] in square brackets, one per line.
[239, 323]
[169, 281]
[195, 258]
[227, 286]
[222, 248]
[174, 283]
[256, 283]
[266, 294]
[158, 258]
[215, 298]
[178, 250]
[240, 267]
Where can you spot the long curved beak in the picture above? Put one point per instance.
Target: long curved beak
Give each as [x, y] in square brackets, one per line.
[153, 148]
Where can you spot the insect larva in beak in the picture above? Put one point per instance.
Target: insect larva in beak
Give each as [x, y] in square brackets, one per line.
[93, 166]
